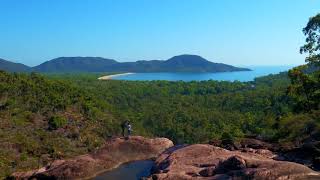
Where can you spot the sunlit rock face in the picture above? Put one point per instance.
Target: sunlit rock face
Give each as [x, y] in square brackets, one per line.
[203, 161]
[115, 152]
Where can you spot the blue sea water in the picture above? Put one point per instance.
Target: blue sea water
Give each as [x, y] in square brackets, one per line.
[243, 76]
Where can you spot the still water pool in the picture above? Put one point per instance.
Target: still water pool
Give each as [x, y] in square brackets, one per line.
[129, 171]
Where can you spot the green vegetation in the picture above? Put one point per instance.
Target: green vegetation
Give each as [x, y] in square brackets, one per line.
[52, 116]
[43, 119]
[62, 115]
[305, 84]
[56, 122]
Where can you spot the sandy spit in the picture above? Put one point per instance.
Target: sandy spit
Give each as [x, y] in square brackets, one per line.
[112, 76]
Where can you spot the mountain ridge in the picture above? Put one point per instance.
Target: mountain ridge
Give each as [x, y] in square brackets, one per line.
[67, 64]
[180, 63]
[12, 66]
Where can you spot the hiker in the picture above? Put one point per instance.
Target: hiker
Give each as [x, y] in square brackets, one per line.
[129, 129]
[124, 126]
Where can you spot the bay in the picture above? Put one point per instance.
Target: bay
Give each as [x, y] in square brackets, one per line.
[243, 76]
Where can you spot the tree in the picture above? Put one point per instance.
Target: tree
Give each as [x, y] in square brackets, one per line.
[305, 84]
[304, 89]
[312, 46]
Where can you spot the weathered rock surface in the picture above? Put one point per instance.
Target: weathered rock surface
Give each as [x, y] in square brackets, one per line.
[244, 143]
[115, 152]
[203, 161]
[306, 152]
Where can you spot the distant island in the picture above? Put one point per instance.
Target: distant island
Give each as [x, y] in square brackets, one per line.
[181, 63]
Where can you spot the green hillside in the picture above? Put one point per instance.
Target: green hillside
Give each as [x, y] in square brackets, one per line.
[42, 120]
[62, 115]
[75, 64]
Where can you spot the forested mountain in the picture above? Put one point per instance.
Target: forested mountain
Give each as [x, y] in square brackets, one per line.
[182, 63]
[196, 63]
[75, 64]
[13, 67]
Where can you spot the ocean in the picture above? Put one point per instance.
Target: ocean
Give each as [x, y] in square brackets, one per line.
[243, 76]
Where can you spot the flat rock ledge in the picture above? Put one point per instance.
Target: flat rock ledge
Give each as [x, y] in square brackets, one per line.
[116, 151]
[203, 161]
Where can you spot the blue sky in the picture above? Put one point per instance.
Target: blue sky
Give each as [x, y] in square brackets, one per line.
[238, 32]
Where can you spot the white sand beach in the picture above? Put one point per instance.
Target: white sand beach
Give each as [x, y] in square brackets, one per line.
[108, 77]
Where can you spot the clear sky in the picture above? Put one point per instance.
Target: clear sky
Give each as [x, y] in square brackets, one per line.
[238, 32]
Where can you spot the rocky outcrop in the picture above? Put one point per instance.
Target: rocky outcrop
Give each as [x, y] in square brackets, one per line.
[115, 152]
[250, 159]
[308, 154]
[244, 143]
[203, 161]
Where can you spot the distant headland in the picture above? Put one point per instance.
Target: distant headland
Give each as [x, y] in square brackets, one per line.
[181, 63]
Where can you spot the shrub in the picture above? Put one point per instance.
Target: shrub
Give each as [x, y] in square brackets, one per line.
[56, 122]
[227, 136]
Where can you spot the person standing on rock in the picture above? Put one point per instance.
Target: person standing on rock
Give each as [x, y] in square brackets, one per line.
[129, 127]
[124, 125]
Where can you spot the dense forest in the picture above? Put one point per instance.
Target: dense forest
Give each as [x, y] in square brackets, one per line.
[52, 116]
[189, 112]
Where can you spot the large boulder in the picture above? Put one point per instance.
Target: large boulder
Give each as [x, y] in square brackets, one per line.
[203, 161]
[115, 152]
